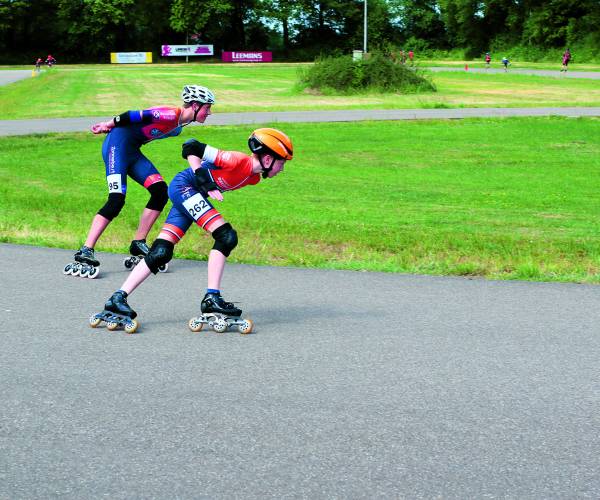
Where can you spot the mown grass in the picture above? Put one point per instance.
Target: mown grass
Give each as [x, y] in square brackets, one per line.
[105, 90]
[500, 198]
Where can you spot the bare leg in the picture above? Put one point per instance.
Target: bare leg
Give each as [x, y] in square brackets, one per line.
[147, 220]
[99, 224]
[216, 260]
[137, 277]
[216, 265]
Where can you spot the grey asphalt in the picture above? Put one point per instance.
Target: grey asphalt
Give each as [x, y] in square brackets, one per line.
[42, 126]
[355, 385]
[593, 75]
[11, 76]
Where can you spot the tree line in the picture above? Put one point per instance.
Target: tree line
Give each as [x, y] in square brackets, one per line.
[87, 30]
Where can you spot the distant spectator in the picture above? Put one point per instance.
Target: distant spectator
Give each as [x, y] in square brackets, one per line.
[488, 60]
[505, 62]
[411, 57]
[566, 57]
[402, 57]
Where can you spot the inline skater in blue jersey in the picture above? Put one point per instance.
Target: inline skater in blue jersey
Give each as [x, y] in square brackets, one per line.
[126, 134]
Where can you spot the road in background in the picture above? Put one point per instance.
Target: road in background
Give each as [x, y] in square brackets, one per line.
[11, 76]
[43, 126]
[355, 385]
[593, 75]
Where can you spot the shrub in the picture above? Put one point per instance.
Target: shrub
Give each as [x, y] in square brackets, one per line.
[376, 73]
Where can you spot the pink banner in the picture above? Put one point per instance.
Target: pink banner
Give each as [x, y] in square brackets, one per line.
[247, 56]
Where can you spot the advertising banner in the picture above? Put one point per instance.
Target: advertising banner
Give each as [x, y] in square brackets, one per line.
[130, 57]
[186, 50]
[247, 56]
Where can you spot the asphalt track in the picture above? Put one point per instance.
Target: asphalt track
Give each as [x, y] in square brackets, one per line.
[355, 385]
[42, 126]
[593, 75]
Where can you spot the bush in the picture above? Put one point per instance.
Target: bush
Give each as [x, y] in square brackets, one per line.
[375, 73]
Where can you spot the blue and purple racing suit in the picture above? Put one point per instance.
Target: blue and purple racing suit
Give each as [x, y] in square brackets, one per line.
[121, 148]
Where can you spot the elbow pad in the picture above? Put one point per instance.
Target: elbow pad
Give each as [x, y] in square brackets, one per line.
[193, 147]
[129, 117]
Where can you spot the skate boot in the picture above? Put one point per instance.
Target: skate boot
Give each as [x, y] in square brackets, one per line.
[85, 265]
[138, 250]
[219, 315]
[116, 313]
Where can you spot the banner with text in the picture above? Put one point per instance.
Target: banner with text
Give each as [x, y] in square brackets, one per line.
[247, 56]
[130, 57]
[186, 50]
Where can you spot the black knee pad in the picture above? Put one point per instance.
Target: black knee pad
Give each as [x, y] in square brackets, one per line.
[116, 201]
[159, 195]
[225, 239]
[161, 252]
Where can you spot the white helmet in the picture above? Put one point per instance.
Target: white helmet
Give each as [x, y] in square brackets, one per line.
[197, 93]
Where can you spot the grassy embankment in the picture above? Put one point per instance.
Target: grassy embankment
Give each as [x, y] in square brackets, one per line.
[509, 198]
[104, 90]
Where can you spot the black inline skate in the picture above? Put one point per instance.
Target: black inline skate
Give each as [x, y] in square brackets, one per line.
[85, 265]
[138, 250]
[219, 315]
[117, 312]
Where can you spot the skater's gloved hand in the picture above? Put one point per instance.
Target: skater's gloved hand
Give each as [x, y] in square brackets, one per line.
[204, 183]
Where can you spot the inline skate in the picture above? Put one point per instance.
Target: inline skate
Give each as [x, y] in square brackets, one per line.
[138, 250]
[117, 312]
[219, 315]
[86, 265]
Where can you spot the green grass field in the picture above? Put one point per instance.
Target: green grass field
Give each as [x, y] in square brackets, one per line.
[500, 198]
[104, 90]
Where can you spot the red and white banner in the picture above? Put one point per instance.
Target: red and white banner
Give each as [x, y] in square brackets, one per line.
[247, 56]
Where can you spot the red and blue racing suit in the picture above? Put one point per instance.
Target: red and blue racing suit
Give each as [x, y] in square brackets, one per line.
[230, 170]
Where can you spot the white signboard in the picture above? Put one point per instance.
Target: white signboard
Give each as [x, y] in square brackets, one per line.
[187, 50]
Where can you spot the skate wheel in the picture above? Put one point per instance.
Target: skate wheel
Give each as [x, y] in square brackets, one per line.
[75, 270]
[163, 269]
[195, 325]
[111, 325]
[93, 273]
[246, 326]
[220, 326]
[68, 268]
[84, 272]
[94, 321]
[132, 326]
[127, 263]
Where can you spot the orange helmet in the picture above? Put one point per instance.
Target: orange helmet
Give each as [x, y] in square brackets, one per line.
[272, 141]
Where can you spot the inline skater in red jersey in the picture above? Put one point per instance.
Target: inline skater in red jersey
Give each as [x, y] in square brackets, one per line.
[211, 172]
[121, 151]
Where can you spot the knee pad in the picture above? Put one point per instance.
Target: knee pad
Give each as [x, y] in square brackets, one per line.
[225, 239]
[113, 206]
[161, 252]
[159, 195]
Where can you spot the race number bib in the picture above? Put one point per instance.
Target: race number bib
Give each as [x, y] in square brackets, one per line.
[196, 206]
[114, 183]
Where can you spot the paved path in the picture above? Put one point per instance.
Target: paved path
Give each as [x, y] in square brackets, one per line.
[41, 126]
[355, 385]
[22, 127]
[594, 75]
[11, 76]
